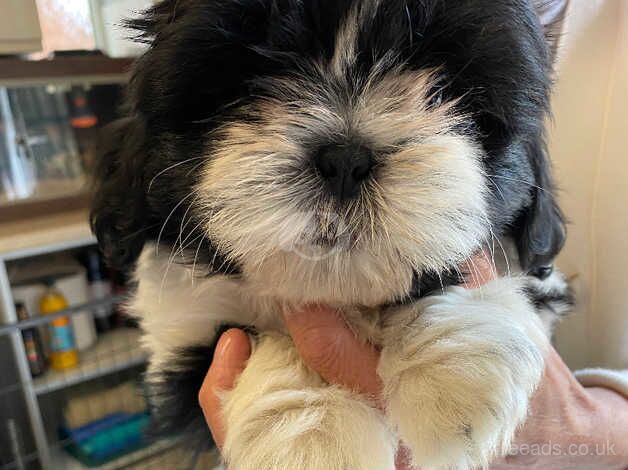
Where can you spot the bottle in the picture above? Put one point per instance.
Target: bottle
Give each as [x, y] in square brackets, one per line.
[73, 286]
[63, 350]
[100, 288]
[32, 343]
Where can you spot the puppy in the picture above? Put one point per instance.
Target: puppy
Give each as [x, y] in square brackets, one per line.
[353, 153]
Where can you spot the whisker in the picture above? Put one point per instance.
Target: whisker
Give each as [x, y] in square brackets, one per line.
[517, 180]
[163, 227]
[506, 259]
[150, 185]
[196, 253]
[440, 281]
[499, 190]
[170, 257]
[196, 227]
[184, 224]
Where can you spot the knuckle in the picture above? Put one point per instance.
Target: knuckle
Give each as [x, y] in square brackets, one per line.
[203, 395]
[322, 352]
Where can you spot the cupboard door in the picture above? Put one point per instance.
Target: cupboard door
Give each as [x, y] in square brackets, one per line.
[19, 27]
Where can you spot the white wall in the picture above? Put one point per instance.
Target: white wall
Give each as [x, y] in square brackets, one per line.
[588, 142]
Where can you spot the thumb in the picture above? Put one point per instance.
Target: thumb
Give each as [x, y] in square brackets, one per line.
[232, 352]
[329, 347]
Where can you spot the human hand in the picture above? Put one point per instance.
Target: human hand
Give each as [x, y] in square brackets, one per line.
[565, 418]
[562, 414]
[326, 345]
[570, 427]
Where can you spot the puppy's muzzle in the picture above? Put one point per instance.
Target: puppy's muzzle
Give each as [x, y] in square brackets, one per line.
[344, 167]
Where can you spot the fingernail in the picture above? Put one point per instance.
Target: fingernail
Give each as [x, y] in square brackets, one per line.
[232, 350]
[223, 347]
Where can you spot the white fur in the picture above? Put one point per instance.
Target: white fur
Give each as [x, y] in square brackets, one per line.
[553, 311]
[458, 371]
[281, 415]
[179, 309]
[347, 37]
[265, 208]
[507, 262]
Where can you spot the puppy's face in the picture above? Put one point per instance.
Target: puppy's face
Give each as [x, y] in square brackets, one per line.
[333, 150]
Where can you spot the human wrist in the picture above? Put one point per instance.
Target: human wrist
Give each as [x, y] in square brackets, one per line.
[610, 420]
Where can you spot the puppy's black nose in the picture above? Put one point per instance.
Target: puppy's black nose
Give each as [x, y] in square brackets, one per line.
[344, 167]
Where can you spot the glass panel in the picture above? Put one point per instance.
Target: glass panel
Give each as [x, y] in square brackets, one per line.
[39, 156]
[65, 25]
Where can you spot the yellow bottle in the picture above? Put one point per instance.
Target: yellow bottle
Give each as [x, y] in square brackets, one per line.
[63, 348]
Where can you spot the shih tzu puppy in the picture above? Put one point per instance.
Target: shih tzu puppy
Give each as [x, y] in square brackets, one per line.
[352, 153]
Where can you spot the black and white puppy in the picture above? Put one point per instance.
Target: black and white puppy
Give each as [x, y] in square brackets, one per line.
[355, 153]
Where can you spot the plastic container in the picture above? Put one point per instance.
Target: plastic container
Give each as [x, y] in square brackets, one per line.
[70, 280]
[63, 353]
[75, 290]
[107, 439]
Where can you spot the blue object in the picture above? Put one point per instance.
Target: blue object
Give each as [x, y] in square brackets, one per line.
[108, 438]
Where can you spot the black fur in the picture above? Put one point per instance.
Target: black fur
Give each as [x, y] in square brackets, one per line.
[208, 57]
[557, 301]
[174, 393]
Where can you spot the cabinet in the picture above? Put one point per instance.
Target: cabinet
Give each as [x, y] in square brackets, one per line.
[31, 408]
[19, 27]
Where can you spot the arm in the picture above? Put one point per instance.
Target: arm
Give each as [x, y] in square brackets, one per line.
[571, 426]
[566, 418]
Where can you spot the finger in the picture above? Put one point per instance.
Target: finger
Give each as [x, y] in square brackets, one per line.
[480, 270]
[328, 346]
[232, 352]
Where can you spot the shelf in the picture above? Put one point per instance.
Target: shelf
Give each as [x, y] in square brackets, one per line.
[65, 461]
[44, 320]
[113, 352]
[31, 237]
[95, 69]
[34, 207]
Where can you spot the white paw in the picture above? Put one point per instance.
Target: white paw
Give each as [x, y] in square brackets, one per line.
[459, 374]
[281, 416]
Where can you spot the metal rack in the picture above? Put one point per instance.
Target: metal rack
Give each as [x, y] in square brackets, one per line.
[116, 356]
[30, 407]
[10, 318]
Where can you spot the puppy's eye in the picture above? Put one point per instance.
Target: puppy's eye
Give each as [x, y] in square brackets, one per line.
[435, 99]
[542, 272]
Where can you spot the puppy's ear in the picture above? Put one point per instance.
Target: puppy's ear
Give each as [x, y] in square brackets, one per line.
[540, 229]
[118, 212]
[552, 16]
[154, 20]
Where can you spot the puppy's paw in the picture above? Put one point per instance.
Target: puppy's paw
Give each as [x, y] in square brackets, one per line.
[282, 416]
[459, 370]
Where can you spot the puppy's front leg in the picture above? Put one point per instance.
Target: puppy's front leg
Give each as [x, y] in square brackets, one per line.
[459, 370]
[282, 416]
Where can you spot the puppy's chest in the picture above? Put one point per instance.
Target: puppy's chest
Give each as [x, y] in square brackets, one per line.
[177, 309]
[267, 314]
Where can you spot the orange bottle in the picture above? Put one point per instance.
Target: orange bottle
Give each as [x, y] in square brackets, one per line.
[63, 347]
